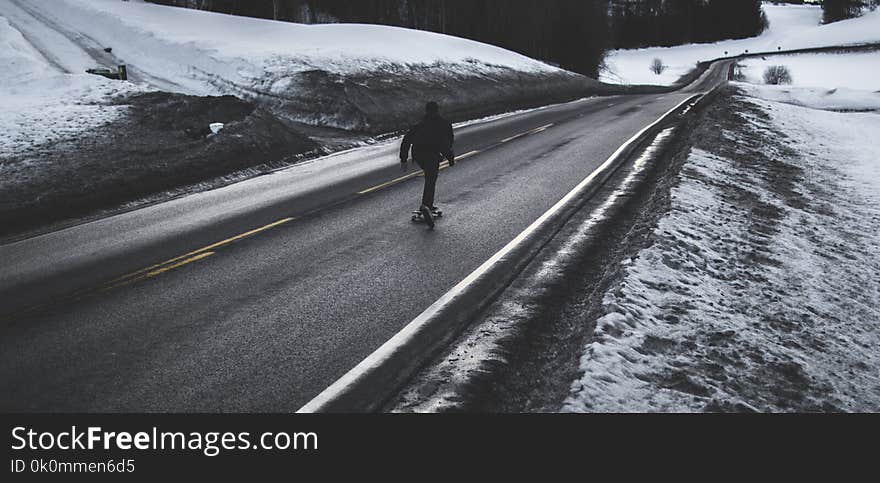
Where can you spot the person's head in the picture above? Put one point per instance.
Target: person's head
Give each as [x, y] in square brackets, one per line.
[432, 108]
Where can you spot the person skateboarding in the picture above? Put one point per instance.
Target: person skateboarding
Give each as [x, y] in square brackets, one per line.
[431, 140]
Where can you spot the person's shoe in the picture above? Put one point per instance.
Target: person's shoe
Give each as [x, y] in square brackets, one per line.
[427, 215]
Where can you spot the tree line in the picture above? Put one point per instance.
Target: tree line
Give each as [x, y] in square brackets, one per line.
[834, 10]
[646, 23]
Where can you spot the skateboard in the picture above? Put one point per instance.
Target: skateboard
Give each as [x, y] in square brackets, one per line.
[417, 215]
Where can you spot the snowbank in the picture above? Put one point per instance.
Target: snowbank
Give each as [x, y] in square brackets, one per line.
[41, 104]
[164, 145]
[759, 292]
[791, 27]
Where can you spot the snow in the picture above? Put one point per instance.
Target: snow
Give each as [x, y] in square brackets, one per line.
[205, 53]
[344, 47]
[46, 45]
[834, 99]
[22, 62]
[838, 70]
[791, 27]
[760, 290]
[843, 81]
[41, 104]
[55, 48]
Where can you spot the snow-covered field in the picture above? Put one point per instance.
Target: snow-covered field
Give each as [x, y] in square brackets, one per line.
[791, 27]
[834, 70]
[760, 291]
[834, 98]
[825, 81]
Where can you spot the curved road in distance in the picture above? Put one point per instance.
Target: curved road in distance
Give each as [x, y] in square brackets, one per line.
[257, 296]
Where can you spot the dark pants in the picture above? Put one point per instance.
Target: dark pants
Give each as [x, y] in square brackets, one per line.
[431, 167]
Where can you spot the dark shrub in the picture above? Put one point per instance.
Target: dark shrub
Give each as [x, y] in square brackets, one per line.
[777, 74]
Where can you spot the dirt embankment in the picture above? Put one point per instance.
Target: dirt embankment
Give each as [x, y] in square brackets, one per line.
[162, 143]
[391, 99]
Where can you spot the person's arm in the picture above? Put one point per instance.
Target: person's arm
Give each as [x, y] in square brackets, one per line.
[450, 153]
[405, 145]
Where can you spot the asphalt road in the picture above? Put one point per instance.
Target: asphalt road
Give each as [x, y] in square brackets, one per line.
[257, 296]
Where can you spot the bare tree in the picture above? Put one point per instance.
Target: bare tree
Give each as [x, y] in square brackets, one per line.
[657, 66]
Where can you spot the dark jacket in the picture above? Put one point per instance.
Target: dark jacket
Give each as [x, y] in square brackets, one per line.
[432, 137]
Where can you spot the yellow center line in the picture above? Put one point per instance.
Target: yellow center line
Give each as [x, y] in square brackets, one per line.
[158, 271]
[533, 131]
[511, 138]
[467, 155]
[389, 183]
[149, 272]
[179, 264]
[213, 246]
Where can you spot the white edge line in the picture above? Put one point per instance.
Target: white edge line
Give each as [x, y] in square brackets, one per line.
[381, 354]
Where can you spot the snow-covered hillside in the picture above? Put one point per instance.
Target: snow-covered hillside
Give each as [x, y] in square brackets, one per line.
[198, 52]
[314, 74]
[791, 27]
